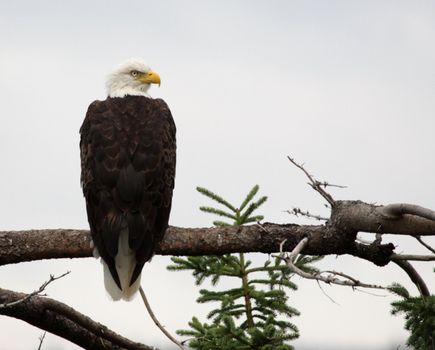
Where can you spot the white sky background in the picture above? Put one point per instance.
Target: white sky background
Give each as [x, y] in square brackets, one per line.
[345, 86]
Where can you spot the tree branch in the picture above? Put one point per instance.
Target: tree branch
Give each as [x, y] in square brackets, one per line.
[330, 278]
[41, 340]
[36, 292]
[337, 236]
[424, 244]
[62, 320]
[414, 276]
[157, 322]
[412, 257]
[297, 211]
[400, 209]
[316, 185]
[364, 217]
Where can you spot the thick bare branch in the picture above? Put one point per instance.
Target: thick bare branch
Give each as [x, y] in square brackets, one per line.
[424, 244]
[19, 246]
[400, 209]
[62, 320]
[364, 217]
[336, 237]
[414, 276]
[412, 257]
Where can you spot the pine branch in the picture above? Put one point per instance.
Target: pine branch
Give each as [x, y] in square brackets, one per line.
[252, 207]
[244, 302]
[249, 197]
[419, 317]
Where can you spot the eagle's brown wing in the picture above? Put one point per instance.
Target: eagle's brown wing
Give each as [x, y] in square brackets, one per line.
[128, 154]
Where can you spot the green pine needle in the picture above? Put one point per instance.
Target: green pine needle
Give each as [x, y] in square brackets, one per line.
[249, 197]
[215, 197]
[252, 207]
[217, 212]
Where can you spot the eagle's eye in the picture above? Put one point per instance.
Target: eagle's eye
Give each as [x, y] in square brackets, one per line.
[134, 73]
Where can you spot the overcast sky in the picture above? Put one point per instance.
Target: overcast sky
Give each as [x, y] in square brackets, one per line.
[347, 87]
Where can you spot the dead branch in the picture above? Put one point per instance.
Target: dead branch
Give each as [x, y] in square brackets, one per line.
[297, 211]
[41, 340]
[364, 217]
[327, 184]
[414, 276]
[296, 250]
[157, 322]
[424, 244]
[336, 237]
[400, 209]
[316, 185]
[330, 277]
[36, 292]
[19, 246]
[62, 320]
[412, 257]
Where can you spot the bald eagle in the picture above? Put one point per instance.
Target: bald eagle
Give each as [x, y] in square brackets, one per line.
[127, 150]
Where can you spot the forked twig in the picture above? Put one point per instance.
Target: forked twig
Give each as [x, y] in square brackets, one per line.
[36, 292]
[316, 185]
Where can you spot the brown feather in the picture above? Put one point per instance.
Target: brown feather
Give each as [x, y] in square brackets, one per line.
[128, 155]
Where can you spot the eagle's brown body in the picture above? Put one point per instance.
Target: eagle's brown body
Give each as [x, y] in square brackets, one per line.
[128, 154]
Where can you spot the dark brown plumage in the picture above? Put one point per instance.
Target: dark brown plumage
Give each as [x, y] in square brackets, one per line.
[128, 154]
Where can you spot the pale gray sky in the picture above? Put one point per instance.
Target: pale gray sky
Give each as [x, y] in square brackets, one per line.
[345, 86]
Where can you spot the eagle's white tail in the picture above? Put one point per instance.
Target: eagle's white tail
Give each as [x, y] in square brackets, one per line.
[125, 262]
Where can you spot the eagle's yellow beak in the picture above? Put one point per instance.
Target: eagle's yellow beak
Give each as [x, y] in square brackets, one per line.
[150, 78]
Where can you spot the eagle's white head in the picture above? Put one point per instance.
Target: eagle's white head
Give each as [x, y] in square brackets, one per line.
[132, 77]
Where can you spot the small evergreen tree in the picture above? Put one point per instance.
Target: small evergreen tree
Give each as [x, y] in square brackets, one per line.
[419, 317]
[255, 314]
